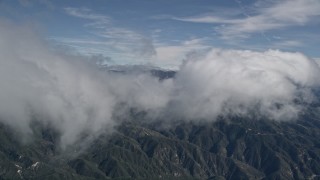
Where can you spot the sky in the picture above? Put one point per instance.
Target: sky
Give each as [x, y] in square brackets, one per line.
[165, 32]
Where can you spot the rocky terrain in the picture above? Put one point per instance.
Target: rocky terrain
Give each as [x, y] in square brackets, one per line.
[234, 148]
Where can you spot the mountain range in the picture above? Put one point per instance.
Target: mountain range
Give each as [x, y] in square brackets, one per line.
[227, 148]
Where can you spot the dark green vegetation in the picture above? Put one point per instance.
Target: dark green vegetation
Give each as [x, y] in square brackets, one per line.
[226, 149]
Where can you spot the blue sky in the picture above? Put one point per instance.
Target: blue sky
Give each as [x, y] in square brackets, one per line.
[164, 32]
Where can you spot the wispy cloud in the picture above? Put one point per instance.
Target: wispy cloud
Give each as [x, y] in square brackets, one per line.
[85, 13]
[124, 43]
[261, 17]
[288, 44]
[172, 55]
[121, 40]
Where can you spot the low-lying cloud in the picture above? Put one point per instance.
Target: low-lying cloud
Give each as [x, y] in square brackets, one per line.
[73, 96]
[232, 82]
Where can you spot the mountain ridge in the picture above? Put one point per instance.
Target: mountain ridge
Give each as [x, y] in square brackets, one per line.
[236, 148]
[232, 147]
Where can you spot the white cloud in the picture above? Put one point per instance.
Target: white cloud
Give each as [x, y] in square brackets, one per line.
[99, 21]
[317, 60]
[75, 98]
[122, 43]
[287, 44]
[206, 19]
[225, 82]
[113, 38]
[264, 17]
[172, 55]
[62, 91]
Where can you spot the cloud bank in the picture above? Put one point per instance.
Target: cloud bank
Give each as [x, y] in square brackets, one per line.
[73, 96]
[225, 82]
[35, 82]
